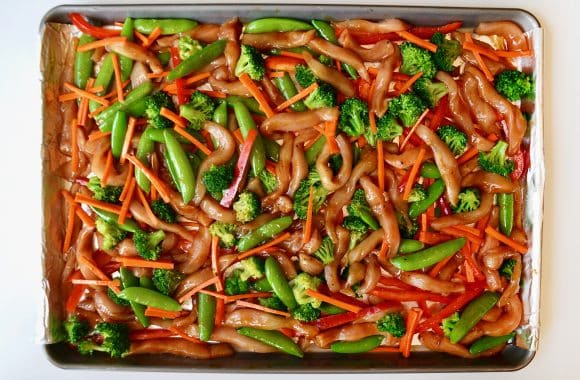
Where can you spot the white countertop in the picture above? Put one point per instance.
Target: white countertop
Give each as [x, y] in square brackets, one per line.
[22, 358]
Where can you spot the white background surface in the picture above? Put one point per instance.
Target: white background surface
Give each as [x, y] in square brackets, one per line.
[22, 358]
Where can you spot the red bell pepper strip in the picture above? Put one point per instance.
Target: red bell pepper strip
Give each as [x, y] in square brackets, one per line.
[79, 21]
[331, 321]
[341, 297]
[439, 113]
[408, 295]
[179, 82]
[457, 304]
[520, 162]
[443, 206]
[240, 170]
[428, 31]
[282, 63]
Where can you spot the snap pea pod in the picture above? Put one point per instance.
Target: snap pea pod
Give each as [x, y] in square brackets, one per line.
[288, 90]
[506, 213]
[428, 256]
[128, 280]
[126, 63]
[104, 78]
[83, 63]
[410, 246]
[246, 123]
[180, 163]
[145, 147]
[118, 132]
[250, 103]
[272, 149]
[206, 306]
[264, 233]
[273, 338]
[473, 314]
[433, 193]
[147, 283]
[130, 225]
[263, 285]
[198, 60]
[329, 309]
[489, 342]
[279, 283]
[149, 297]
[157, 135]
[276, 24]
[430, 170]
[135, 96]
[326, 31]
[164, 57]
[313, 152]
[168, 26]
[358, 346]
[220, 115]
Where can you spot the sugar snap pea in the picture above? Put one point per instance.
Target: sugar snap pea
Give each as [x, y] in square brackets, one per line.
[473, 314]
[488, 342]
[272, 149]
[168, 26]
[410, 246]
[357, 346]
[147, 283]
[130, 225]
[329, 309]
[128, 279]
[433, 193]
[273, 338]
[288, 90]
[206, 306]
[220, 115]
[276, 24]
[145, 147]
[279, 283]
[118, 132]
[83, 63]
[428, 256]
[506, 213]
[103, 79]
[430, 170]
[105, 118]
[198, 60]
[250, 103]
[149, 297]
[180, 163]
[126, 63]
[326, 31]
[246, 123]
[264, 233]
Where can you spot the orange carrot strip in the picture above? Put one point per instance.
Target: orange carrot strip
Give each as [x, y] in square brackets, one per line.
[128, 138]
[299, 96]
[98, 135]
[333, 301]
[183, 335]
[74, 163]
[85, 94]
[137, 262]
[437, 267]
[141, 37]
[229, 299]
[81, 198]
[118, 81]
[471, 230]
[152, 37]
[96, 282]
[175, 118]
[214, 294]
[418, 41]
[383, 251]
[126, 185]
[193, 140]
[385, 349]
[329, 132]
[412, 321]
[188, 81]
[70, 225]
[286, 53]
[468, 155]
[108, 169]
[97, 111]
[419, 121]
[513, 54]
[467, 45]
[458, 233]
[101, 43]
[424, 222]
[145, 203]
[127, 202]
[506, 240]
[160, 313]
[309, 215]
[480, 61]
[257, 94]
[93, 268]
[258, 249]
[76, 294]
[214, 94]
[413, 173]
[214, 254]
[199, 287]
[262, 308]
[84, 217]
[277, 74]
[155, 181]
[407, 85]
[82, 112]
[238, 136]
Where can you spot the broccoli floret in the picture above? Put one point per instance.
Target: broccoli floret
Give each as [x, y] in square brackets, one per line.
[469, 200]
[455, 139]
[429, 91]
[273, 303]
[226, 232]
[148, 244]
[507, 268]
[250, 62]
[416, 59]
[495, 161]
[392, 323]
[388, 128]
[217, 179]
[187, 46]
[109, 194]
[408, 108]
[235, 285]
[269, 181]
[303, 192]
[357, 228]
[360, 208]
[116, 299]
[325, 60]
[447, 52]
[335, 163]
[112, 338]
[305, 313]
[407, 231]
[199, 109]
[514, 85]
[449, 323]
[154, 103]
[163, 211]
[324, 96]
[112, 234]
[304, 76]
[247, 207]
[252, 267]
[76, 329]
[418, 193]
[300, 284]
[166, 280]
[354, 117]
[325, 251]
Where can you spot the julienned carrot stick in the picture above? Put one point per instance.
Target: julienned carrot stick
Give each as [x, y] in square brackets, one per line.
[135, 262]
[70, 225]
[152, 37]
[407, 85]
[81, 198]
[159, 313]
[299, 96]
[329, 132]
[127, 202]
[85, 94]
[97, 272]
[506, 240]
[480, 60]
[237, 297]
[257, 94]
[412, 131]
[96, 282]
[412, 322]
[183, 335]
[291, 54]
[84, 217]
[192, 140]
[458, 233]
[118, 81]
[262, 308]
[269, 244]
[199, 287]
[159, 185]
[468, 155]
[101, 43]
[309, 215]
[126, 184]
[437, 267]
[98, 135]
[76, 294]
[175, 118]
[472, 230]
[418, 41]
[128, 138]
[383, 251]
[188, 81]
[108, 169]
[145, 203]
[481, 50]
[333, 301]
[413, 173]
